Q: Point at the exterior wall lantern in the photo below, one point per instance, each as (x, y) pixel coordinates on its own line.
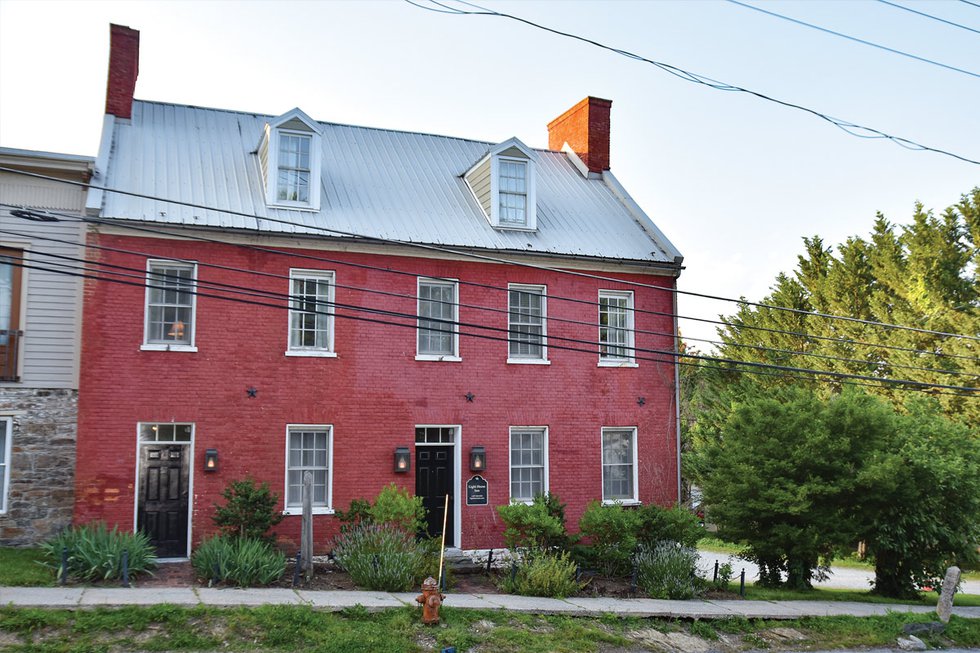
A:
(478, 459)
(211, 460)
(403, 460)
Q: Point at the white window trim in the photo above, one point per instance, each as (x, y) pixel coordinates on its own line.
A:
(610, 361)
(546, 485)
(532, 214)
(272, 175)
(190, 481)
(446, 358)
(165, 346)
(543, 291)
(317, 510)
(7, 427)
(635, 501)
(312, 352)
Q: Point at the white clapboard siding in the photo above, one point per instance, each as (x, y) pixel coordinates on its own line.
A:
(51, 313)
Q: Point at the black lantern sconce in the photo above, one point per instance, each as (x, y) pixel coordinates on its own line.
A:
(478, 459)
(211, 460)
(403, 460)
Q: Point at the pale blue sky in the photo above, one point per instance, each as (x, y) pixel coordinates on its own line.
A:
(735, 182)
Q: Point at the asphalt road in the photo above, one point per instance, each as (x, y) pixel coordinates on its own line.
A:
(841, 577)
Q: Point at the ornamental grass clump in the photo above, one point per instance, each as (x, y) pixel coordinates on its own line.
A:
(241, 561)
(95, 553)
(667, 571)
(543, 574)
(381, 557)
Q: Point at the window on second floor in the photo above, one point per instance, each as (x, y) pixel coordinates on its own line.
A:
(170, 305)
(11, 281)
(311, 313)
(437, 309)
(526, 326)
(616, 328)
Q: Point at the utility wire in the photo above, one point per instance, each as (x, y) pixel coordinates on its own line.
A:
(877, 364)
(673, 357)
(924, 14)
(494, 259)
(969, 2)
(853, 38)
(851, 128)
(729, 324)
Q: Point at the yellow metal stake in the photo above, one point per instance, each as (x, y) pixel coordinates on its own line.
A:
(442, 545)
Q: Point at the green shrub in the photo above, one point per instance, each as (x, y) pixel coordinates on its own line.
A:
(395, 506)
(658, 524)
(358, 513)
(611, 529)
(382, 557)
(535, 527)
(249, 510)
(667, 571)
(543, 574)
(96, 553)
(243, 561)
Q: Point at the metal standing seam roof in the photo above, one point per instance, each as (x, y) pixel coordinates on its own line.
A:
(375, 182)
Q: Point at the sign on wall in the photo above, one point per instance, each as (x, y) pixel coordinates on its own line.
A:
(476, 491)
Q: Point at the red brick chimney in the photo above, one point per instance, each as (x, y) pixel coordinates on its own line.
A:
(124, 66)
(585, 127)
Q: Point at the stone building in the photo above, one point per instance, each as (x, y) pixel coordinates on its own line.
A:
(40, 317)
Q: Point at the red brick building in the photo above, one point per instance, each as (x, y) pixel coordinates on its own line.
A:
(279, 295)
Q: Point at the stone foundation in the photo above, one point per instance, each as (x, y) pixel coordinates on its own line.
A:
(42, 463)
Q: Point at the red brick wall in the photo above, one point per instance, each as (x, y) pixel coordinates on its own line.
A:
(374, 393)
(124, 64)
(585, 127)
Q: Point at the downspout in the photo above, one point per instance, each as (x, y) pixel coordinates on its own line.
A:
(677, 392)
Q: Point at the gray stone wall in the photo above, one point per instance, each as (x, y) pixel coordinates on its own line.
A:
(42, 463)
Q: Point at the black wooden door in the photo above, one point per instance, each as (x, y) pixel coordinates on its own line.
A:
(164, 486)
(433, 481)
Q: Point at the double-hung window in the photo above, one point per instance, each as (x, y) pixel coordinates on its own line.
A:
(526, 327)
(10, 301)
(438, 310)
(309, 449)
(6, 425)
(616, 328)
(528, 462)
(294, 168)
(512, 193)
(310, 313)
(619, 465)
(170, 305)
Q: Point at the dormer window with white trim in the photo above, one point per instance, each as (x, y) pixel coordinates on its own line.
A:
(502, 182)
(289, 154)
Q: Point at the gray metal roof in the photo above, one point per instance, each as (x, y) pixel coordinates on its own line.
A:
(375, 182)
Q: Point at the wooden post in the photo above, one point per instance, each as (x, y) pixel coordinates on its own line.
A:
(442, 545)
(306, 538)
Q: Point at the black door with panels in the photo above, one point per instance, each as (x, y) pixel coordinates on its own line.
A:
(433, 481)
(163, 497)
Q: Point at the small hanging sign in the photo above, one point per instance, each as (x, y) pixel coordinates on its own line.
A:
(476, 491)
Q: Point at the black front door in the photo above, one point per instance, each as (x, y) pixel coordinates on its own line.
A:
(164, 489)
(433, 481)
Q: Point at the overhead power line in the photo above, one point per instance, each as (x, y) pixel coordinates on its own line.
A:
(671, 357)
(854, 38)
(494, 259)
(575, 300)
(849, 127)
(925, 15)
(141, 273)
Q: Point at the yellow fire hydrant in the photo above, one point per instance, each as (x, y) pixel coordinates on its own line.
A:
(430, 599)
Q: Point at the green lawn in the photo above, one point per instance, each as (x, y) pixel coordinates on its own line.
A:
(301, 628)
(832, 594)
(22, 568)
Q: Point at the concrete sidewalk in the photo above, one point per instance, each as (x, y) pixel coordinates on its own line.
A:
(90, 597)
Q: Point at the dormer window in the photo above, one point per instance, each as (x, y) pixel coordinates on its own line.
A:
(503, 184)
(294, 168)
(513, 192)
(289, 155)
